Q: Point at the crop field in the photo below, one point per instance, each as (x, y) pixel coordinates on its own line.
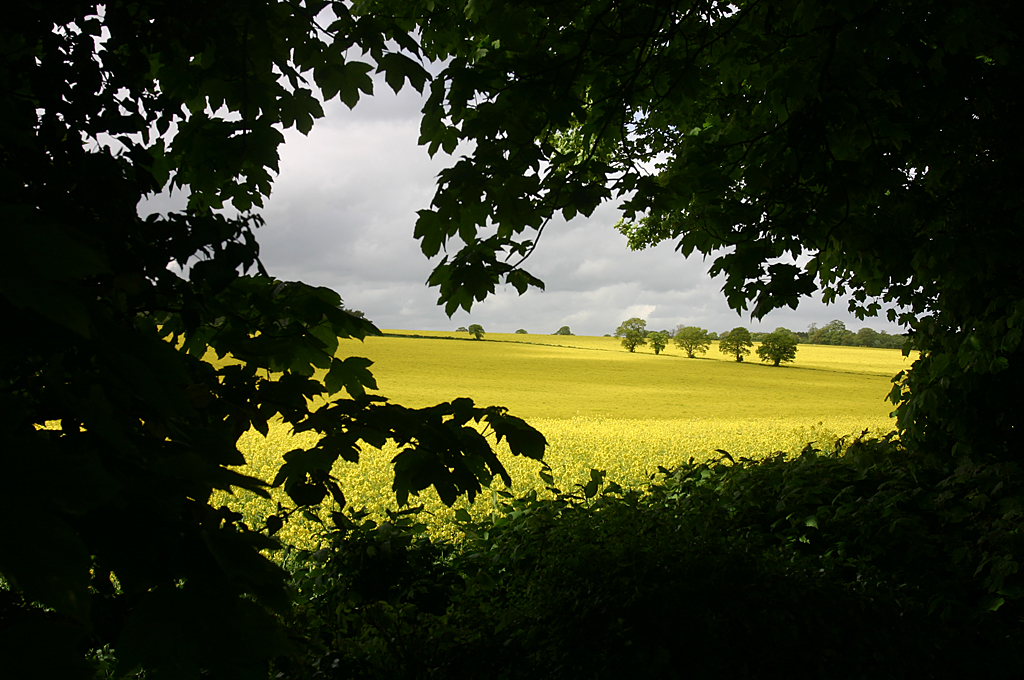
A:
(601, 407)
(538, 376)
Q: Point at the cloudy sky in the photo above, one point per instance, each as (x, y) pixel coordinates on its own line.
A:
(342, 215)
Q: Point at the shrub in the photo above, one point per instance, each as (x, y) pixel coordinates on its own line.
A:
(868, 563)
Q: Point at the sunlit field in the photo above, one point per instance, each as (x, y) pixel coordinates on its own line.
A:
(602, 407)
(590, 376)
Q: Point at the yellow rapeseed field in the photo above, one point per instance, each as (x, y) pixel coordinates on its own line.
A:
(595, 377)
(600, 407)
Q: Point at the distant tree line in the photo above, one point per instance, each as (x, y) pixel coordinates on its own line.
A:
(832, 333)
(836, 333)
(776, 347)
(694, 340)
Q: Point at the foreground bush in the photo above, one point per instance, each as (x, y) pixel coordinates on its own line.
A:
(869, 563)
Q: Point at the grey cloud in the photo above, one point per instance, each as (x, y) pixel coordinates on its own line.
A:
(343, 210)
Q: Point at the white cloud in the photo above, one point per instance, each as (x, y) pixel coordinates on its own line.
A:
(639, 311)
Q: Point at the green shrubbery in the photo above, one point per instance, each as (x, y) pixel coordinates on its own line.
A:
(872, 562)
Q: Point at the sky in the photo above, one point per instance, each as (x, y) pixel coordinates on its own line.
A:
(342, 213)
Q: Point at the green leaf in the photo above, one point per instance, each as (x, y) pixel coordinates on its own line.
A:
(398, 68)
(354, 78)
(523, 440)
(352, 374)
(994, 604)
(430, 232)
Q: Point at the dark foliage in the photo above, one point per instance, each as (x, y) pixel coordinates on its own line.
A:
(868, 564)
(110, 542)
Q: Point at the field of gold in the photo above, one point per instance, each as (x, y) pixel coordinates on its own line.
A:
(595, 377)
(629, 450)
(601, 407)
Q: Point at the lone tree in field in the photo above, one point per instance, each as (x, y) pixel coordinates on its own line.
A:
(633, 333)
(778, 346)
(737, 343)
(692, 340)
(564, 330)
(658, 340)
(521, 331)
(476, 330)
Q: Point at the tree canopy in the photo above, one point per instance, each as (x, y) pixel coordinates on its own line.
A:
(832, 333)
(737, 343)
(692, 339)
(476, 330)
(877, 139)
(116, 426)
(633, 333)
(658, 341)
(778, 346)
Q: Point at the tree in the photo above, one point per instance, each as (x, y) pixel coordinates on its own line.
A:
(737, 343)
(476, 330)
(868, 337)
(879, 138)
(114, 427)
(633, 333)
(813, 334)
(461, 329)
(521, 331)
(891, 341)
(778, 346)
(658, 340)
(692, 340)
(564, 330)
(832, 333)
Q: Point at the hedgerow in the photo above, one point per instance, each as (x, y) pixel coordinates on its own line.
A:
(873, 562)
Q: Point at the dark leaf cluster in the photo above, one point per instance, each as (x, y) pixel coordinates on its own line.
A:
(860, 561)
(137, 350)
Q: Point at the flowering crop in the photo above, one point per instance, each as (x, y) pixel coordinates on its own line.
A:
(599, 407)
(629, 450)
